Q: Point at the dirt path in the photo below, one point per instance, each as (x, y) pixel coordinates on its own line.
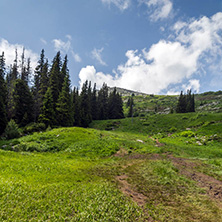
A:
(212, 186)
(126, 188)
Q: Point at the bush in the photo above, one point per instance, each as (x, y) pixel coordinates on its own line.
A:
(173, 129)
(11, 131)
(187, 134)
(34, 127)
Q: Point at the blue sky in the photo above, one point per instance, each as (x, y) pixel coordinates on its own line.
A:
(152, 46)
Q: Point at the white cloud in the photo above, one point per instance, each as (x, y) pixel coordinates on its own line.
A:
(65, 47)
(76, 56)
(167, 63)
(194, 85)
(96, 54)
(121, 4)
(159, 9)
(43, 41)
(62, 46)
(9, 52)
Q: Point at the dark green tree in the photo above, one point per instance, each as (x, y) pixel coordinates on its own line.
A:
(76, 107)
(48, 115)
(115, 105)
(64, 106)
(103, 102)
(131, 104)
(3, 95)
(85, 110)
(94, 104)
(55, 78)
(23, 103)
(36, 88)
(181, 104)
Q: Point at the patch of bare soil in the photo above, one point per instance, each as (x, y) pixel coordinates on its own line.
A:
(158, 144)
(121, 152)
(139, 198)
(212, 186)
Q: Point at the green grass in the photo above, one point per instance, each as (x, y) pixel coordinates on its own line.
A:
(58, 187)
(68, 174)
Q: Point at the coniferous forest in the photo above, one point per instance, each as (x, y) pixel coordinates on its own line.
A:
(47, 96)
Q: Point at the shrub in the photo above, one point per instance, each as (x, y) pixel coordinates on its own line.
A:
(173, 129)
(12, 131)
(34, 127)
(187, 134)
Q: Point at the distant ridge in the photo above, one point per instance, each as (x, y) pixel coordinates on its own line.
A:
(126, 92)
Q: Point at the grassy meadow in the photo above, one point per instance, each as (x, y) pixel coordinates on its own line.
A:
(153, 167)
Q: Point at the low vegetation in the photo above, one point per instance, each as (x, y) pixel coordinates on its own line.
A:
(150, 167)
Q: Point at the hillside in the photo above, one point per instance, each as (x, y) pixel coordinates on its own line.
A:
(153, 167)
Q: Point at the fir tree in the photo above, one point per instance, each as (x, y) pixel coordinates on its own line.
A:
(103, 102)
(94, 104)
(131, 104)
(76, 107)
(36, 89)
(64, 111)
(85, 112)
(115, 105)
(54, 78)
(3, 95)
(47, 115)
(23, 103)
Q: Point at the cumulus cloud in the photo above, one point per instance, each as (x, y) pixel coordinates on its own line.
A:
(121, 4)
(97, 55)
(9, 52)
(194, 85)
(158, 9)
(65, 47)
(167, 63)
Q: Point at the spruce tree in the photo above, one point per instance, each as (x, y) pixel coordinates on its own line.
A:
(76, 107)
(55, 78)
(47, 115)
(64, 107)
(182, 104)
(103, 102)
(23, 103)
(85, 112)
(94, 104)
(3, 95)
(115, 105)
(36, 88)
(131, 104)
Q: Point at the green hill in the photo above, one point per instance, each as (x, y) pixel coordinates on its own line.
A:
(152, 167)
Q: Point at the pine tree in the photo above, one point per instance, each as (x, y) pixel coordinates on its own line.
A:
(44, 82)
(131, 104)
(55, 78)
(47, 115)
(76, 107)
(36, 89)
(103, 102)
(115, 105)
(3, 95)
(182, 104)
(94, 104)
(85, 112)
(23, 103)
(64, 108)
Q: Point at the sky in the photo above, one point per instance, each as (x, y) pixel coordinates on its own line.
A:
(150, 46)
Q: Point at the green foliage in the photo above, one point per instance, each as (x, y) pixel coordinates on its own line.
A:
(187, 133)
(23, 103)
(34, 127)
(12, 130)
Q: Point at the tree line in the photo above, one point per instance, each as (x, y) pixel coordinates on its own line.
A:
(48, 98)
(186, 103)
